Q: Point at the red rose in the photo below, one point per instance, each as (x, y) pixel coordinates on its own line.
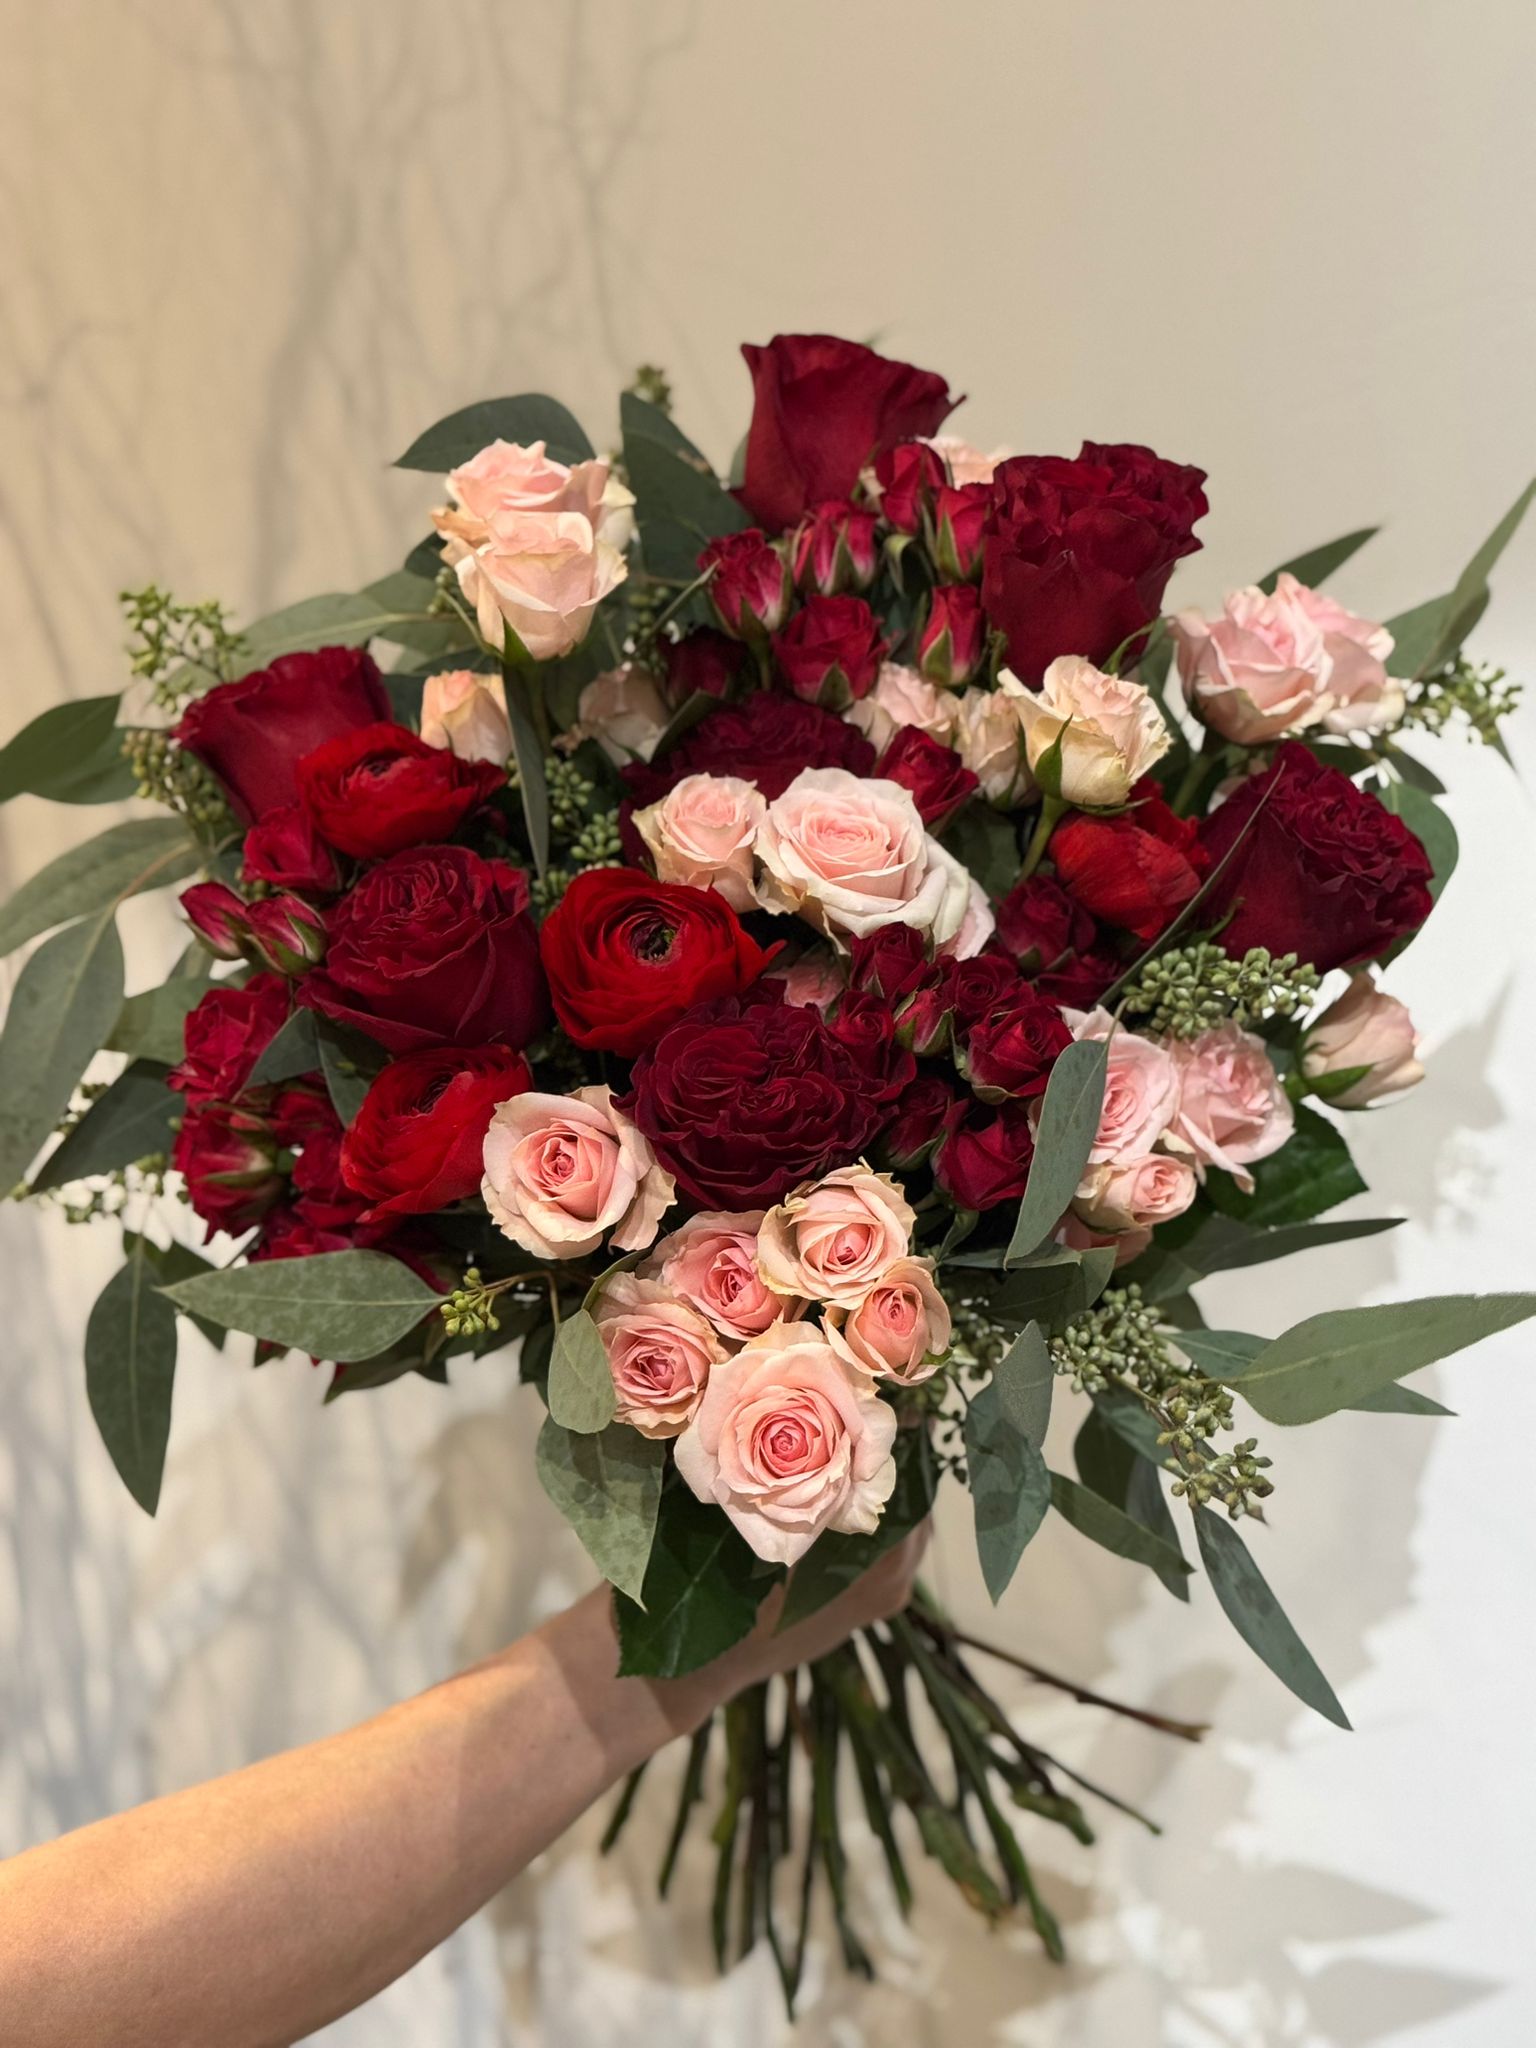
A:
(865, 1024)
(926, 1108)
(1078, 554)
(1039, 922)
(908, 476)
(984, 1160)
(285, 850)
(379, 789)
(835, 549)
(702, 661)
(415, 1144)
(253, 733)
(974, 988)
(745, 1098)
(822, 409)
(1135, 871)
(767, 739)
(219, 917)
(751, 588)
(1010, 1051)
(953, 642)
(831, 651)
(433, 947)
(229, 1163)
(226, 1035)
(286, 933)
(626, 955)
(1327, 872)
(956, 526)
(892, 962)
(938, 779)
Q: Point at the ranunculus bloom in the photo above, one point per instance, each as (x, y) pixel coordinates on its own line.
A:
(285, 850)
(379, 789)
(788, 1441)
(1011, 1050)
(953, 639)
(544, 574)
(851, 854)
(226, 1035)
(623, 711)
(1261, 669)
(832, 1239)
(1366, 1028)
(1135, 871)
(822, 409)
(467, 713)
(904, 481)
(660, 1352)
(562, 1172)
(1327, 871)
(901, 697)
(513, 476)
(751, 586)
(1135, 1194)
(701, 834)
(416, 1143)
(1365, 697)
(1233, 1108)
(766, 740)
(983, 1159)
(831, 650)
(253, 733)
(711, 1262)
(745, 1098)
(1109, 727)
(1141, 1090)
(625, 956)
(835, 548)
(228, 1161)
(433, 947)
(899, 1331)
(937, 778)
(989, 738)
(1078, 554)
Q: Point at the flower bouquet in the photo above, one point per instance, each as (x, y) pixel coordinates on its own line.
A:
(783, 951)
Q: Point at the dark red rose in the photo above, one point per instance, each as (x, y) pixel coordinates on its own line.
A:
(831, 650)
(434, 947)
(1010, 1051)
(415, 1144)
(975, 987)
(938, 779)
(228, 1160)
(745, 1098)
(767, 739)
(1078, 981)
(703, 661)
(1135, 871)
(301, 1109)
(891, 962)
(1327, 872)
(984, 1160)
(953, 642)
(626, 955)
(321, 1194)
(219, 917)
(822, 409)
(864, 1024)
(379, 789)
(835, 549)
(285, 1234)
(926, 1108)
(1078, 554)
(226, 1035)
(285, 850)
(956, 527)
(908, 476)
(253, 733)
(751, 587)
(1039, 923)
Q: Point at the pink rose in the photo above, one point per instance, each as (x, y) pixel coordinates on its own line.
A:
(813, 982)
(849, 853)
(1364, 1028)
(660, 1351)
(1135, 1194)
(544, 574)
(976, 926)
(1232, 1109)
(702, 832)
(1110, 729)
(711, 1263)
(833, 1239)
(902, 697)
(1365, 697)
(622, 710)
(790, 1442)
(1141, 1089)
(510, 477)
(1263, 668)
(1075, 1234)
(467, 713)
(899, 1331)
(562, 1171)
(966, 465)
(989, 738)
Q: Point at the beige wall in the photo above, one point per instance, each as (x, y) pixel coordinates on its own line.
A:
(247, 251)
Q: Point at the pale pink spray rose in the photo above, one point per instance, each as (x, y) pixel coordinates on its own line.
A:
(563, 1171)
(1141, 1089)
(1365, 698)
(832, 1239)
(901, 696)
(966, 464)
(976, 926)
(544, 574)
(1261, 669)
(899, 1331)
(660, 1351)
(512, 476)
(467, 714)
(789, 1441)
(1135, 1194)
(1078, 1236)
(622, 710)
(1233, 1109)
(1109, 728)
(849, 853)
(701, 833)
(989, 738)
(711, 1262)
(813, 982)
(1366, 1028)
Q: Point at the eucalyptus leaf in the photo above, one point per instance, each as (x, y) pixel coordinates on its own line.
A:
(1069, 1123)
(1133, 1422)
(65, 1001)
(1257, 1615)
(404, 602)
(1435, 833)
(1010, 1486)
(531, 417)
(1111, 1528)
(130, 1372)
(135, 1119)
(342, 1306)
(695, 707)
(1257, 1248)
(1432, 634)
(293, 1049)
(608, 1487)
(152, 1025)
(529, 756)
(702, 1589)
(71, 753)
(680, 504)
(581, 1393)
(1218, 1352)
(1110, 1467)
(1049, 1290)
(1319, 563)
(1395, 1400)
(144, 853)
(335, 618)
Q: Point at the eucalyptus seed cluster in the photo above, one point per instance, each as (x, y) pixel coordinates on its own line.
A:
(167, 639)
(1190, 989)
(469, 1311)
(166, 773)
(1471, 694)
(1235, 1478)
(977, 1344)
(570, 796)
(651, 384)
(1118, 1339)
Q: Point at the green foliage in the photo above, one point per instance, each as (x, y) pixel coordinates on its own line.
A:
(608, 1487)
(1190, 989)
(152, 1025)
(1069, 1122)
(581, 1396)
(71, 753)
(1318, 564)
(1258, 1617)
(65, 1001)
(1004, 1430)
(701, 1592)
(1311, 1172)
(1430, 636)
(680, 504)
(349, 1061)
(531, 417)
(135, 1119)
(1128, 1479)
(342, 1306)
(130, 1371)
(144, 853)
(1111, 1528)
(293, 1049)
(528, 754)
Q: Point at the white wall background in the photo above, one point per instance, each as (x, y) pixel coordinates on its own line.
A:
(248, 252)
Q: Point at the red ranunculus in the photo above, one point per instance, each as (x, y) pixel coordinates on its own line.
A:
(745, 1098)
(1327, 871)
(253, 733)
(751, 587)
(822, 409)
(831, 650)
(229, 1162)
(937, 778)
(379, 789)
(953, 640)
(1011, 1050)
(226, 1035)
(415, 1144)
(1136, 870)
(702, 661)
(433, 947)
(1078, 554)
(908, 476)
(626, 955)
(984, 1160)
(835, 549)
(767, 739)
(285, 850)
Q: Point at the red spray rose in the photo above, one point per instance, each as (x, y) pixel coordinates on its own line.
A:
(822, 409)
(984, 1160)
(835, 549)
(1327, 872)
(831, 651)
(1136, 870)
(416, 1143)
(953, 640)
(956, 525)
(766, 740)
(974, 988)
(253, 733)
(229, 1163)
(285, 850)
(1010, 1051)
(226, 1035)
(751, 587)
(379, 789)
(1039, 922)
(433, 947)
(626, 955)
(1078, 554)
(891, 961)
(702, 661)
(938, 779)
(219, 917)
(908, 476)
(864, 1024)
(925, 1110)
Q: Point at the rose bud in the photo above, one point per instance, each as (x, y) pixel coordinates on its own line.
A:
(1040, 924)
(287, 933)
(286, 851)
(835, 549)
(891, 961)
(703, 662)
(954, 528)
(467, 714)
(865, 1025)
(924, 1021)
(1362, 1049)
(1101, 733)
(751, 585)
(924, 1111)
(938, 779)
(984, 1160)
(906, 479)
(219, 917)
(1011, 1051)
(953, 640)
(830, 652)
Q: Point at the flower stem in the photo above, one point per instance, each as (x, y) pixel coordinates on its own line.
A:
(1051, 809)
